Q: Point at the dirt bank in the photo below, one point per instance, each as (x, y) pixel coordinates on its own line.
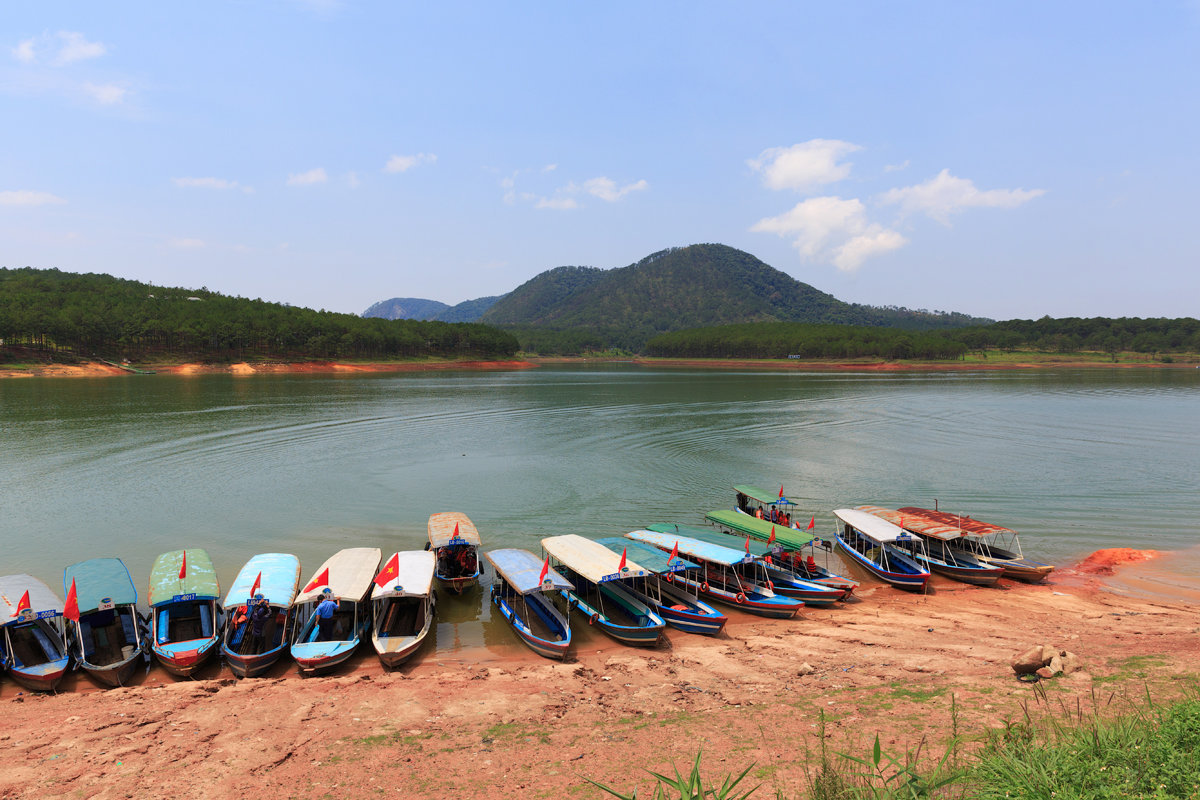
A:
(499, 721)
(93, 369)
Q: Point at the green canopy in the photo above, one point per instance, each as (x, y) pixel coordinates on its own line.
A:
(761, 495)
(199, 581)
(759, 528)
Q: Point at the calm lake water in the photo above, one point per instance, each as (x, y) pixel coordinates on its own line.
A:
(308, 464)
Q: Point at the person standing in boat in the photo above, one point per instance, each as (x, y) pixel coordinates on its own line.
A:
(325, 616)
(260, 614)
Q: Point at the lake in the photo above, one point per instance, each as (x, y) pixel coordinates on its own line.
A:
(1074, 460)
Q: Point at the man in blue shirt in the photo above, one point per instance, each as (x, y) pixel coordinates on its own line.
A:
(325, 611)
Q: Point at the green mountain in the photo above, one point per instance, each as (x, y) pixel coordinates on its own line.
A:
(406, 308)
(685, 287)
(468, 310)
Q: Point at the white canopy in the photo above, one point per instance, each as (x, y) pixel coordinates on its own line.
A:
(872, 526)
(452, 527)
(413, 576)
(351, 572)
(41, 599)
(592, 560)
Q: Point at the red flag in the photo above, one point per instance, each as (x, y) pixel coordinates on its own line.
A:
(390, 571)
(23, 604)
(320, 580)
(767, 559)
(545, 571)
(183, 567)
(71, 607)
(812, 523)
(772, 539)
(257, 584)
(621, 566)
(674, 553)
(455, 535)
(747, 544)
(780, 492)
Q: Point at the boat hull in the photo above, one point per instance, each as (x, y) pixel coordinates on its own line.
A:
(460, 584)
(636, 635)
(183, 662)
(901, 580)
(396, 657)
(547, 648)
(975, 576)
(244, 666)
(41, 677)
(811, 592)
(754, 603)
(113, 675)
(322, 660)
(695, 616)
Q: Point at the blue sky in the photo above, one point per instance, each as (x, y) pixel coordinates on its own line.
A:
(1005, 160)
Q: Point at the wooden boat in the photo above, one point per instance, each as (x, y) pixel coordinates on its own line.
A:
(525, 601)
(780, 578)
(992, 544)
(404, 605)
(347, 577)
(34, 634)
(455, 541)
(797, 548)
(185, 612)
(870, 541)
(938, 554)
(728, 576)
(109, 639)
(273, 577)
(600, 591)
(674, 602)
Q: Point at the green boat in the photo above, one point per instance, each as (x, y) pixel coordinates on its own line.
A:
(186, 614)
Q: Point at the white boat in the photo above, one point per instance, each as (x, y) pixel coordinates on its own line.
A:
(348, 575)
(34, 636)
(404, 605)
(455, 541)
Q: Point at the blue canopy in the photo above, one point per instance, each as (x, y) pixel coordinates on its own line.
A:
(647, 555)
(100, 582)
(520, 570)
(758, 548)
(692, 548)
(280, 578)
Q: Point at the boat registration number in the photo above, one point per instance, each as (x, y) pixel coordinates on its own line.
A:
(180, 598)
(456, 540)
(47, 614)
(106, 604)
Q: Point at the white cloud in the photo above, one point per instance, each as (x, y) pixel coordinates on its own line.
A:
(559, 202)
(106, 95)
(607, 190)
(897, 167)
(186, 244)
(23, 52)
(832, 229)
(313, 176)
(204, 183)
(352, 180)
(550, 168)
(943, 195)
(804, 166)
(76, 48)
(27, 198)
(405, 163)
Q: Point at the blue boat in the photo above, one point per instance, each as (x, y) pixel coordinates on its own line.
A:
(601, 592)
(524, 601)
(871, 543)
(346, 577)
(33, 647)
(728, 576)
(110, 638)
(273, 577)
(678, 606)
(186, 615)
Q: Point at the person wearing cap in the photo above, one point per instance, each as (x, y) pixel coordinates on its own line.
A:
(325, 611)
(260, 613)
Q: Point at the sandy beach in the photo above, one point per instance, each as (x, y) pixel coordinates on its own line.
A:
(497, 721)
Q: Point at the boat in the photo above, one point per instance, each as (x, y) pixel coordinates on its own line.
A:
(870, 542)
(675, 603)
(455, 541)
(34, 647)
(728, 576)
(403, 604)
(185, 611)
(782, 579)
(346, 577)
(521, 593)
(599, 577)
(763, 505)
(273, 577)
(109, 638)
(992, 544)
(939, 554)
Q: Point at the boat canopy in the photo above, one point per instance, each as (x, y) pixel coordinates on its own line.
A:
(972, 527)
(199, 580)
(351, 573)
(763, 496)
(100, 581)
(760, 528)
(875, 528)
(441, 529)
(42, 601)
(414, 575)
(693, 548)
(592, 560)
(520, 570)
(280, 579)
(648, 556)
(916, 523)
(757, 549)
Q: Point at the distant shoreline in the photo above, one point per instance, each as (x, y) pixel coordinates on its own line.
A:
(94, 369)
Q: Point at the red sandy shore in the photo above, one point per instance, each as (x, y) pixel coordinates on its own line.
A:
(98, 370)
(498, 721)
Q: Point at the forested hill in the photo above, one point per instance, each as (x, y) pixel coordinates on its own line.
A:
(684, 287)
(406, 308)
(101, 316)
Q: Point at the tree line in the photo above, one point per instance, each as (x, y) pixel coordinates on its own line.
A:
(102, 316)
